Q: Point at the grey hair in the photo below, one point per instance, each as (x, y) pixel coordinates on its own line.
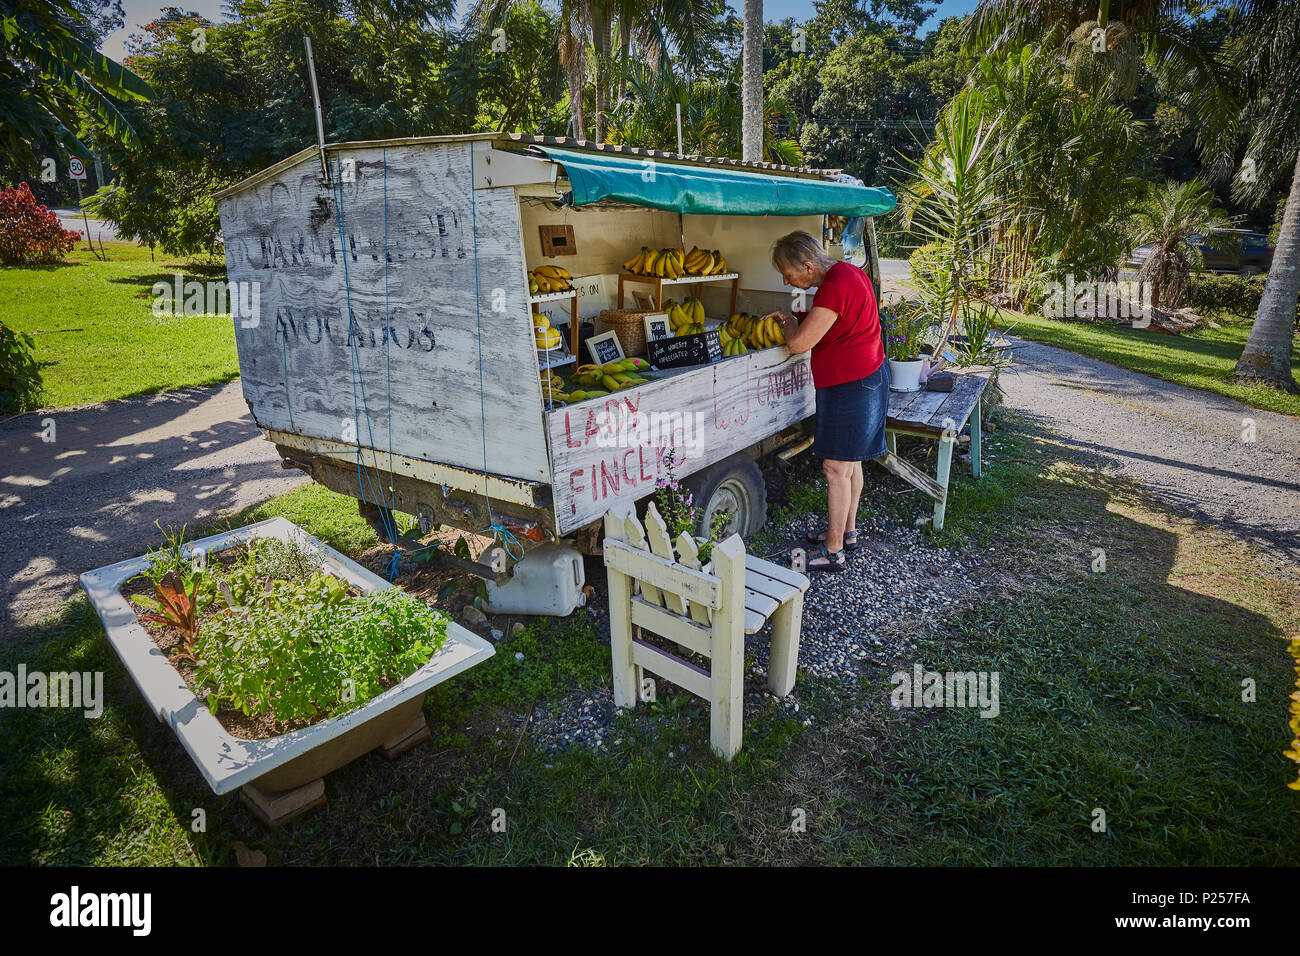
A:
(797, 248)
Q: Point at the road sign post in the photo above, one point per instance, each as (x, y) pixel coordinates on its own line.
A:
(77, 170)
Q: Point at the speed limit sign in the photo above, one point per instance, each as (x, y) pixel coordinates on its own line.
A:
(76, 169)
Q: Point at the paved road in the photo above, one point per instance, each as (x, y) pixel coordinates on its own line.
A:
(1188, 448)
(91, 497)
(99, 230)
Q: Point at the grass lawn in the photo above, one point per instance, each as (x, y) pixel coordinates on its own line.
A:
(1119, 690)
(1203, 359)
(96, 336)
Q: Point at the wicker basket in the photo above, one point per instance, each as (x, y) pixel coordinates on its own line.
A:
(630, 326)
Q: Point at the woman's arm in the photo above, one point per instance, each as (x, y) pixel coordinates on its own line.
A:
(802, 336)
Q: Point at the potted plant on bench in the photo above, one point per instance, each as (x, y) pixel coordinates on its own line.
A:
(902, 325)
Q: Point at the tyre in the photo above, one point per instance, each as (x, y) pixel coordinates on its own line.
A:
(734, 485)
(1247, 272)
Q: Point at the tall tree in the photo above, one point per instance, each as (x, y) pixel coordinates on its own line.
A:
(751, 84)
(51, 78)
(1103, 39)
(1271, 66)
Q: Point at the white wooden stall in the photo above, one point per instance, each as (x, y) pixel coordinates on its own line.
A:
(392, 354)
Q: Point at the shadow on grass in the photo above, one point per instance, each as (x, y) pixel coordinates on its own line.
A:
(1119, 691)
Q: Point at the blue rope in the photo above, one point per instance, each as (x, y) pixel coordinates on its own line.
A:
(359, 400)
(499, 532)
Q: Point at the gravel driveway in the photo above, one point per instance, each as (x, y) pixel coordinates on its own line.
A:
(1190, 449)
(91, 497)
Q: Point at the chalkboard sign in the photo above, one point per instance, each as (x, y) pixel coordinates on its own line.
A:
(657, 326)
(701, 349)
(605, 348)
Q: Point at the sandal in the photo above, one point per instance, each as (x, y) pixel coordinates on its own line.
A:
(833, 561)
(850, 539)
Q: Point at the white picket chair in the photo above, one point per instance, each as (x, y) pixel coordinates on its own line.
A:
(652, 588)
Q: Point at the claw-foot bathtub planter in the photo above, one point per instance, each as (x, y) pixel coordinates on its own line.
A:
(281, 776)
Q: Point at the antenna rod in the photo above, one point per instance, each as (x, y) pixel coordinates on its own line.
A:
(320, 124)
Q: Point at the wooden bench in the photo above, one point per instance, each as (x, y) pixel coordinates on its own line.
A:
(666, 592)
(939, 416)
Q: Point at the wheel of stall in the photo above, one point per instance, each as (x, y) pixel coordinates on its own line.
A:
(734, 485)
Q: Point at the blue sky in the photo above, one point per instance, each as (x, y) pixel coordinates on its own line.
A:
(139, 12)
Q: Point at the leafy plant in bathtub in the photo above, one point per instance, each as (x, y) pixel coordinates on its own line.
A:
(175, 607)
(301, 651)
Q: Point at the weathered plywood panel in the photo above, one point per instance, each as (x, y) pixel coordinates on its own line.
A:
(414, 244)
(612, 451)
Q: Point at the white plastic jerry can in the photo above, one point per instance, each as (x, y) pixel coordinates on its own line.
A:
(548, 580)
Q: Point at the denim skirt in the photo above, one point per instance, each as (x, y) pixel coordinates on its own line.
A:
(851, 418)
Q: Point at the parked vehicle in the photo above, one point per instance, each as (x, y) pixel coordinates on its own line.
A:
(1234, 250)
(402, 355)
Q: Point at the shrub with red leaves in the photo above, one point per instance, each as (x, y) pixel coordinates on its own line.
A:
(30, 233)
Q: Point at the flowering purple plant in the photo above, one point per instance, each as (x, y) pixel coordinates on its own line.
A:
(902, 325)
(677, 508)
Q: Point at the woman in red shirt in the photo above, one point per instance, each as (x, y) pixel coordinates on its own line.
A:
(842, 330)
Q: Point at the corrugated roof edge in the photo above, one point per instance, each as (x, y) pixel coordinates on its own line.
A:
(619, 149)
(528, 141)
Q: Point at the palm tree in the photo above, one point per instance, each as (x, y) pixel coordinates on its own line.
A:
(651, 27)
(951, 201)
(1163, 29)
(50, 77)
(1166, 219)
(751, 84)
(1269, 65)
(574, 28)
(711, 115)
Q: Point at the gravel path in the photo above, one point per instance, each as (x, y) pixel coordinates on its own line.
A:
(850, 619)
(91, 497)
(1186, 447)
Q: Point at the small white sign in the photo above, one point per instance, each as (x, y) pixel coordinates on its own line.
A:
(605, 348)
(657, 326)
(592, 298)
(76, 169)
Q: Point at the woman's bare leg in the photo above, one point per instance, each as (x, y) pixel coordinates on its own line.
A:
(855, 495)
(841, 500)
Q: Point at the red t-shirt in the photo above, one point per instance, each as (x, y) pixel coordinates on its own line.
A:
(851, 348)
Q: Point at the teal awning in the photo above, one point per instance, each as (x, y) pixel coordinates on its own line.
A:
(711, 190)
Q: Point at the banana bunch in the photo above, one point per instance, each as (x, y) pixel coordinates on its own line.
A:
(546, 279)
(703, 262)
(552, 384)
(756, 333)
(545, 336)
(665, 263)
(731, 344)
(686, 317)
(612, 376)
